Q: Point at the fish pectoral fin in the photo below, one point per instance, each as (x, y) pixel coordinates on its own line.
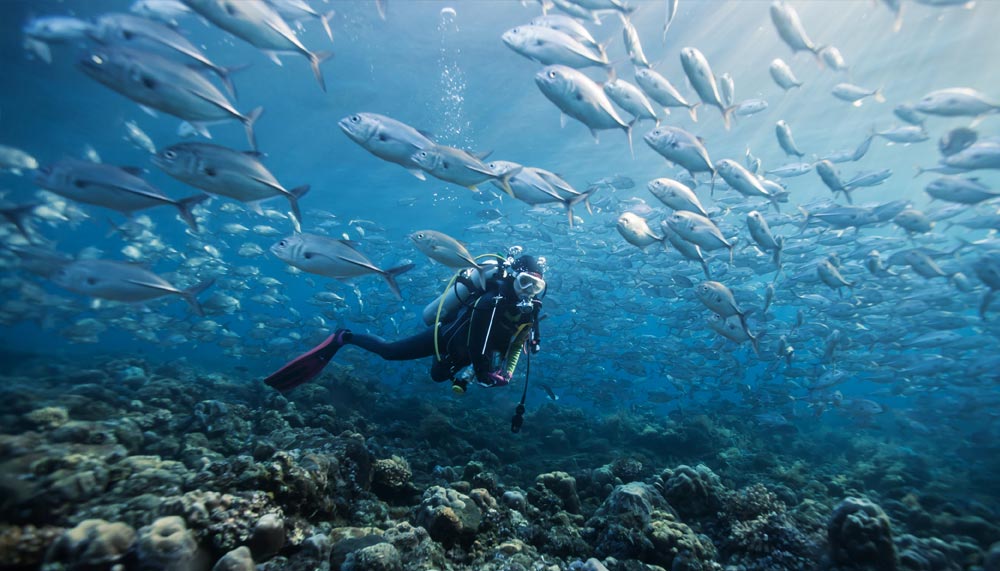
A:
(418, 173)
(365, 265)
(276, 187)
(224, 106)
(155, 286)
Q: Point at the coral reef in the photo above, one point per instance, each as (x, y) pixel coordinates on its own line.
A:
(164, 468)
(860, 536)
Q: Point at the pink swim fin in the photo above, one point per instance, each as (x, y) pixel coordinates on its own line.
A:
(306, 367)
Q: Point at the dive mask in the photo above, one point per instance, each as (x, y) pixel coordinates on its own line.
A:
(529, 285)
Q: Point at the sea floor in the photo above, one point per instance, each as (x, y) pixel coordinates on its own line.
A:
(126, 464)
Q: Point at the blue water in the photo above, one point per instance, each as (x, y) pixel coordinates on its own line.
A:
(618, 327)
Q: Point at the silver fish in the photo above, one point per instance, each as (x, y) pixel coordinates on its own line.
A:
(960, 190)
(750, 107)
(636, 231)
(549, 46)
(226, 172)
(786, 21)
(957, 102)
(581, 98)
(567, 25)
(783, 75)
(699, 230)
(387, 139)
(741, 180)
(260, 25)
(157, 82)
(633, 47)
(660, 90)
(676, 195)
(784, 134)
(444, 249)
(761, 234)
(631, 99)
(689, 250)
(337, 259)
(117, 188)
(141, 33)
(680, 147)
(703, 81)
(855, 94)
(120, 281)
(458, 167)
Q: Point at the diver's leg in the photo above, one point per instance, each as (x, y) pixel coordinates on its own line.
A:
(307, 366)
(413, 347)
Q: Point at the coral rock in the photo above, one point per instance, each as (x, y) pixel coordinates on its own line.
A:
(692, 491)
(860, 536)
(676, 546)
(268, 536)
(448, 516)
(563, 486)
(93, 542)
(168, 545)
(48, 417)
(378, 557)
(238, 559)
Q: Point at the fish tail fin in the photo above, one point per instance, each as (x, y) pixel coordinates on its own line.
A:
(693, 111)
(325, 20)
(185, 205)
(17, 215)
(293, 199)
(570, 203)
(380, 6)
(780, 241)
(805, 223)
(754, 342)
(987, 298)
(775, 204)
(225, 76)
(505, 181)
(628, 135)
(732, 252)
(704, 267)
(727, 116)
(316, 58)
(248, 123)
(390, 278)
(191, 295)
(878, 96)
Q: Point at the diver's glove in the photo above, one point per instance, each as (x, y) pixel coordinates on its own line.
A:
(497, 378)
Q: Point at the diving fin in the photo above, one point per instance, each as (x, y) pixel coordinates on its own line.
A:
(308, 366)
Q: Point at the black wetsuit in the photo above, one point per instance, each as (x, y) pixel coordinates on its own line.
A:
(461, 340)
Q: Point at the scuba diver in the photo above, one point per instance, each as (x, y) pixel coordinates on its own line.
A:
(487, 317)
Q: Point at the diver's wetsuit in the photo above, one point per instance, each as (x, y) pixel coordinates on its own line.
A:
(460, 341)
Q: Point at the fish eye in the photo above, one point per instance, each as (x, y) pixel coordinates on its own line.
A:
(169, 155)
(283, 243)
(420, 235)
(552, 74)
(96, 58)
(355, 118)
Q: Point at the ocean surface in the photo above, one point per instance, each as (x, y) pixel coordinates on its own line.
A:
(859, 429)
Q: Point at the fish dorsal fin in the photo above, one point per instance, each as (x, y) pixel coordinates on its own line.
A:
(136, 171)
(426, 134)
(255, 154)
(351, 243)
(482, 155)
